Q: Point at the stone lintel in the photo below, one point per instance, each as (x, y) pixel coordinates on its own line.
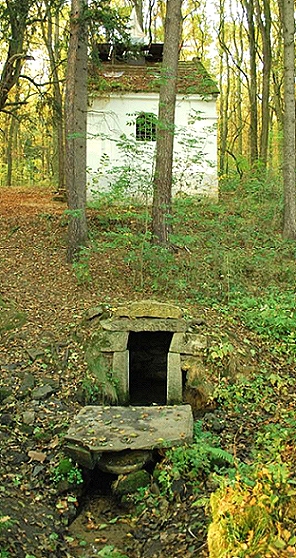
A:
(144, 324)
(149, 309)
(108, 429)
(188, 343)
(120, 374)
(174, 379)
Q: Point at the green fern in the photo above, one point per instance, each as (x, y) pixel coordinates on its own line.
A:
(219, 454)
(192, 463)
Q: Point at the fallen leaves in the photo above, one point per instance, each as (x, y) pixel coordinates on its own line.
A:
(37, 456)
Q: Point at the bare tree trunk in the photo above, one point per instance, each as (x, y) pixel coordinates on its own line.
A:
(51, 43)
(264, 22)
(224, 92)
(11, 139)
(162, 183)
(252, 85)
(75, 128)
(289, 229)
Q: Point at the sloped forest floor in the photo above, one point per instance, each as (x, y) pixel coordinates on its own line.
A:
(42, 360)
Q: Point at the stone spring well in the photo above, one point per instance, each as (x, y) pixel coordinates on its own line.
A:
(142, 353)
(144, 348)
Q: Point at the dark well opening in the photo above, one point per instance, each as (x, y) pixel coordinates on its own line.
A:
(148, 358)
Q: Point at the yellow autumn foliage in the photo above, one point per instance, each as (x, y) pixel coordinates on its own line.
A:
(253, 520)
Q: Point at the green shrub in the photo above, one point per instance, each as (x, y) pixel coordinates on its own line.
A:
(66, 470)
(192, 463)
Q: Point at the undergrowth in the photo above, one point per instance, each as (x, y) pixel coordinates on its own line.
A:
(230, 256)
(222, 252)
(192, 463)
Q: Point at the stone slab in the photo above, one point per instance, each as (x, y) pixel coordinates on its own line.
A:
(99, 429)
(148, 309)
(143, 324)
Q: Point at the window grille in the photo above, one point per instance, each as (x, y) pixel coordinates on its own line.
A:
(146, 126)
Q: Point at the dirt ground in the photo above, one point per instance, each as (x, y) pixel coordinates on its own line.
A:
(42, 305)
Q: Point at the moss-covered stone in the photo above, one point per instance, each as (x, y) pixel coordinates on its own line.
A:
(10, 317)
(129, 484)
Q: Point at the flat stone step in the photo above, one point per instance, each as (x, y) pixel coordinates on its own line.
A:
(98, 429)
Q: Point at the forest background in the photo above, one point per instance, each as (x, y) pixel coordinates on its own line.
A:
(240, 43)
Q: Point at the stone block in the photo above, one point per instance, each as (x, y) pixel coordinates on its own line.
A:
(177, 342)
(188, 343)
(120, 375)
(130, 483)
(149, 309)
(82, 455)
(111, 341)
(174, 379)
(144, 324)
(123, 462)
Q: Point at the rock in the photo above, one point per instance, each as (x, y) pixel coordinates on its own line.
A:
(4, 393)
(35, 353)
(100, 311)
(28, 417)
(53, 382)
(6, 419)
(19, 457)
(81, 455)
(129, 484)
(111, 341)
(218, 426)
(37, 470)
(197, 397)
(27, 384)
(123, 462)
(42, 392)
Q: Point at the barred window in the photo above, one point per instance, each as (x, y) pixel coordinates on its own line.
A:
(146, 126)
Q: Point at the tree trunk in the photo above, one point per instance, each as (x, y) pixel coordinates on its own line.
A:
(252, 85)
(51, 39)
(264, 23)
(18, 15)
(224, 91)
(162, 183)
(75, 128)
(289, 229)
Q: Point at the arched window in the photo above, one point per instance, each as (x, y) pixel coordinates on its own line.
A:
(146, 126)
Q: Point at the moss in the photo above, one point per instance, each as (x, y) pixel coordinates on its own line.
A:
(10, 317)
(129, 484)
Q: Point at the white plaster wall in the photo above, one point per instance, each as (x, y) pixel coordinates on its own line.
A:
(111, 117)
